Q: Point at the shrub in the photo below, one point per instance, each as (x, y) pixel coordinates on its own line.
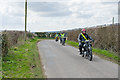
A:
(11, 38)
(105, 37)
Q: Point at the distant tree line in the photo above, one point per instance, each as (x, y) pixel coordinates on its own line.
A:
(45, 34)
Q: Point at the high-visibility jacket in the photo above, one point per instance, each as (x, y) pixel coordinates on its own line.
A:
(84, 38)
(62, 35)
(56, 35)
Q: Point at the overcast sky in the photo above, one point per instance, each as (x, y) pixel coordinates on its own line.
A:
(55, 15)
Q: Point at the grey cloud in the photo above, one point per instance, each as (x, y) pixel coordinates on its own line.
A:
(119, 12)
(109, 3)
(44, 6)
(113, 9)
(85, 16)
(84, 10)
(83, 6)
(41, 6)
(54, 14)
(49, 9)
(18, 14)
(20, 4)
(13, 21)
(17, 9)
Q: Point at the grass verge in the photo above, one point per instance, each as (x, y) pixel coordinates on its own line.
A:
(23, 61)
(101, 53)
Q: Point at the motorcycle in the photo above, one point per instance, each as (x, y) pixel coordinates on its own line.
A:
(56, 39)
(63, 41)
(60, 40)
(87, 50)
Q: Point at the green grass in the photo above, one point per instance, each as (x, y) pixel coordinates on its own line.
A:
(23, 61)
(106, 53)
(102, 53)
(72, 43)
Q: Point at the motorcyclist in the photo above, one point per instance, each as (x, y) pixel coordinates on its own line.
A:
(63, 36)
(83, 37)
(60, 37)
(56, 36)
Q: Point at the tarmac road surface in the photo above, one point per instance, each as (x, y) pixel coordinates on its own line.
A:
(65, 62)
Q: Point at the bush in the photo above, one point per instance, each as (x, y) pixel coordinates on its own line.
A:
(105, 37)
(11, 38)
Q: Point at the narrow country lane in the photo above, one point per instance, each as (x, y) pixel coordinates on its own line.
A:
(65, 62)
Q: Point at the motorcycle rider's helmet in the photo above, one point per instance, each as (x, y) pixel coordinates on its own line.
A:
(83, 31)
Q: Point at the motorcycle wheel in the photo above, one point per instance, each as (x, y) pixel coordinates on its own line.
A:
(90, 56)
(82, 54)
(63, 44)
